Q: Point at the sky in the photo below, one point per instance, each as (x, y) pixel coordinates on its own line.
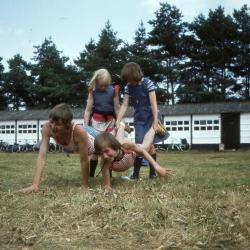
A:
(72, 23)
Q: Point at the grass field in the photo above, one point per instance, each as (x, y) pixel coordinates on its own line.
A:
(206, 205)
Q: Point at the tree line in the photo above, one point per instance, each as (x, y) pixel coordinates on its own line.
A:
(206, 60)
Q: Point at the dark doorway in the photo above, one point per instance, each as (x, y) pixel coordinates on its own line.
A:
(230, 130)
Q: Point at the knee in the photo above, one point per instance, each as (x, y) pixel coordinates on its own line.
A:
(152, 149)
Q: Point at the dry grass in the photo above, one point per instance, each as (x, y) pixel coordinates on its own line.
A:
(205, 206)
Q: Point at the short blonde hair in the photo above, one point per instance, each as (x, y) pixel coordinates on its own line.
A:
(100, 74)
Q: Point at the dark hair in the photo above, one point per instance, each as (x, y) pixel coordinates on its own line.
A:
(131, 72)
(61, 112)
(104, 140)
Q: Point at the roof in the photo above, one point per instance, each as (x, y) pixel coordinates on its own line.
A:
(178, 109)
(205, 108)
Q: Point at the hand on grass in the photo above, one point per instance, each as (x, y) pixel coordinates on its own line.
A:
(108, 189)
(28, 190)
(85, 189)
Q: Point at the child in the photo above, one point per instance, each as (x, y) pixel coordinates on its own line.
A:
(71, 136)
(119, 155)
(102, 107)
(142, 92)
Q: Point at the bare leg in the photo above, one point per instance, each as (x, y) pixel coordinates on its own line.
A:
(148, 139)
(120, 133)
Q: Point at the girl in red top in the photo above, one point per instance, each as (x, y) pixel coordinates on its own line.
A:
(102, 107)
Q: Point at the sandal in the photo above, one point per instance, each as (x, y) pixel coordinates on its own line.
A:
(126, 127)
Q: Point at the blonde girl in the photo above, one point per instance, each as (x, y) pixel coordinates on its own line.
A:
(102, 107)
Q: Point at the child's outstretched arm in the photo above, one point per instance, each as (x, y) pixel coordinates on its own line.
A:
(162, 172)
(116, 100)
(153, 104)
(80, 136)
(105, 166)
(40, 163)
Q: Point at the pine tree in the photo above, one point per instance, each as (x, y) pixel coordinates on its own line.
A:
(19, 84)
(3, 98)
(166, 37)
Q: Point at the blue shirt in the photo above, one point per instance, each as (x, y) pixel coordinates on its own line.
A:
(140, 97)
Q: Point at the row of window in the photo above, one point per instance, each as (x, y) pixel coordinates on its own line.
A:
(6, 126)
(7, 131)
(25, 126)
(198, 125)
(25, 131)
(196, 122)
(175, 123)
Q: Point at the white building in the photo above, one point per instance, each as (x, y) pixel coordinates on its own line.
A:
(204, 125)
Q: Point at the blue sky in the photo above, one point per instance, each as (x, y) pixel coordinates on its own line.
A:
(71, 23)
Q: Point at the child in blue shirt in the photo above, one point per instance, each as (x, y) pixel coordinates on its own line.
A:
(142, 92)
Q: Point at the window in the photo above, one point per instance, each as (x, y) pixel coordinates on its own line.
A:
(181, 125)
(7, 129)
(27, 128)
(206, 125)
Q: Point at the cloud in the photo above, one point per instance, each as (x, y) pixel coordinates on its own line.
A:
(151, 5)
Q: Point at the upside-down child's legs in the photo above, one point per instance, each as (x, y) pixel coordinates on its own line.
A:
(147, 144)
(148, 139)
(121, 133)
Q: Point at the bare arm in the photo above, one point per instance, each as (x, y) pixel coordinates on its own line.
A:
(163, 172)
(40, 163)
(88, 110)
(80, 136)
(106, 175)
(153, 104)
(122, 110)
(116, 105)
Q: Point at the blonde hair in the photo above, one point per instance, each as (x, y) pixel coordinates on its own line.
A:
(100, 74)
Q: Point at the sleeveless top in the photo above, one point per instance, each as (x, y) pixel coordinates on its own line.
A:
(104, 100)
(72, 147)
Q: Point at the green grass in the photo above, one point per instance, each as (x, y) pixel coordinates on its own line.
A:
(206, 205)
